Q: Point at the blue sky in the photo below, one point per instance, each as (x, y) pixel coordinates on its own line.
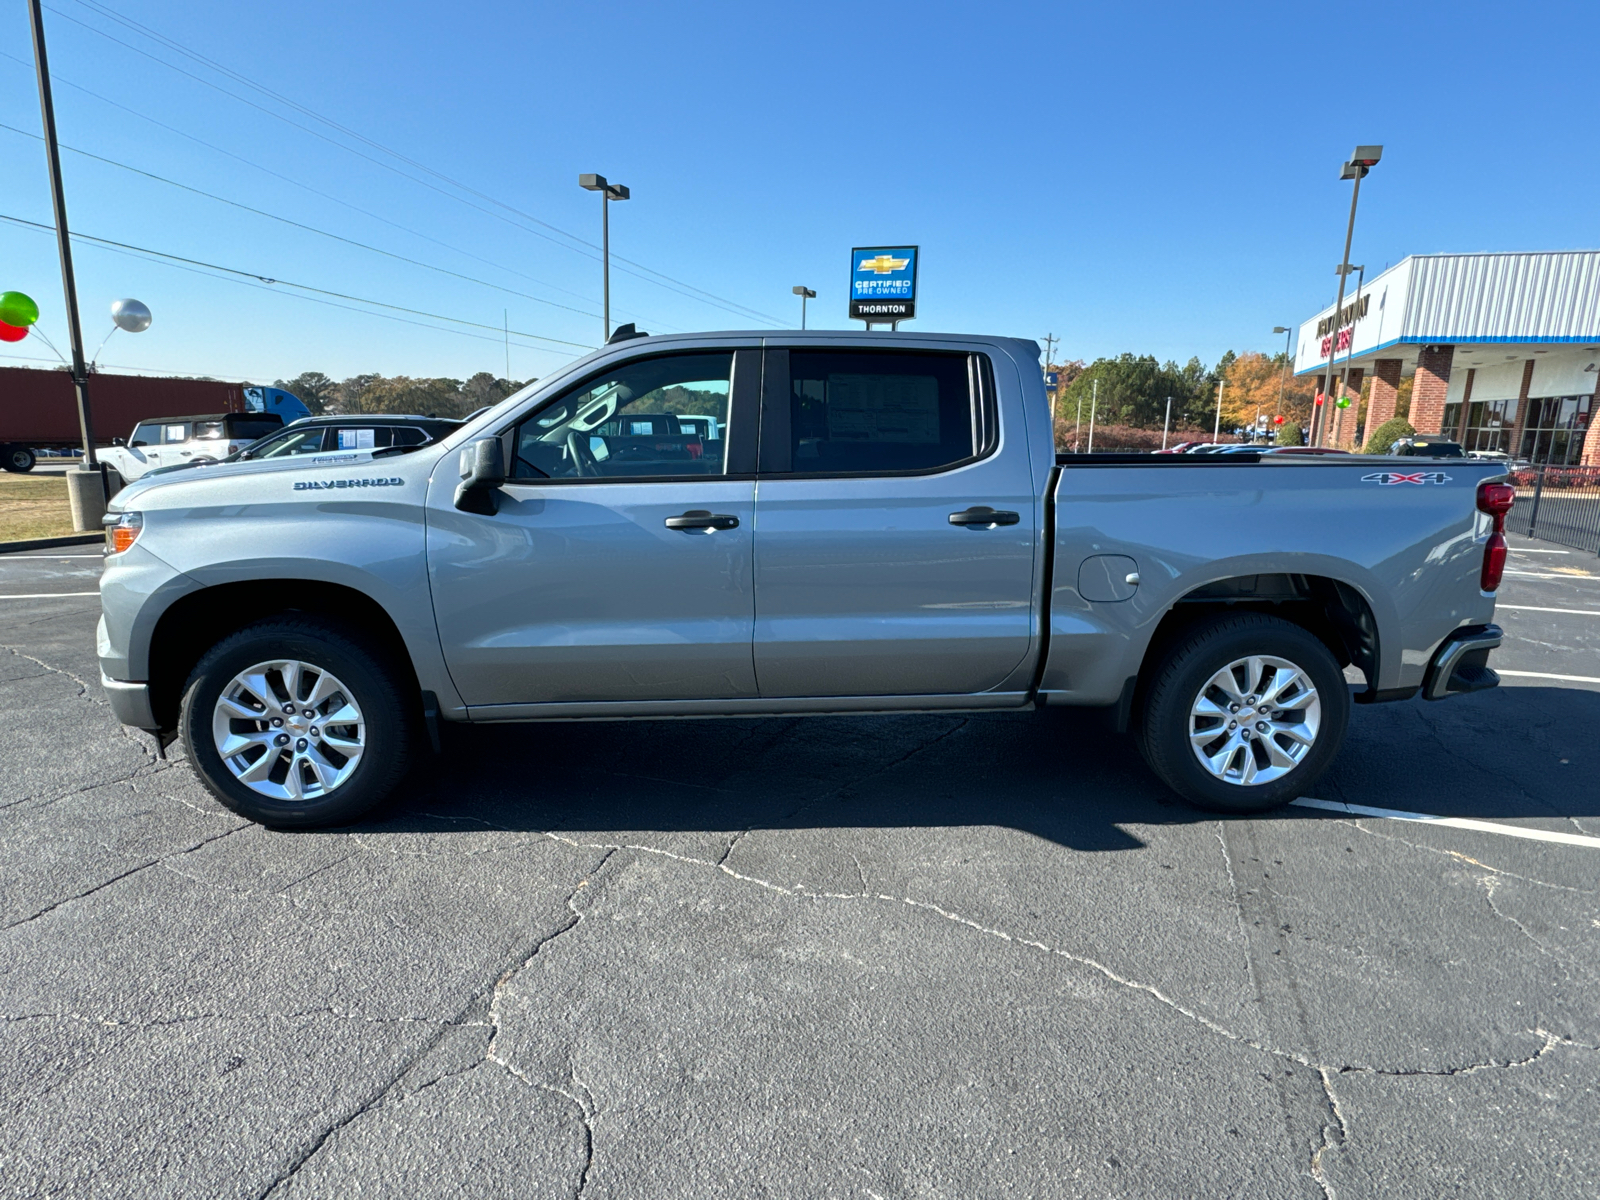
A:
(1151, 177)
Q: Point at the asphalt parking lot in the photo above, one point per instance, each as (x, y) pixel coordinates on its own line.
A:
(932, 956)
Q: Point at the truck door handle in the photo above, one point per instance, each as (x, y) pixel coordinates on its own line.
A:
(983, 517)
(702, 520)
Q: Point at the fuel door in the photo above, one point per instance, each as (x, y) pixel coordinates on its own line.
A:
(1108, 577)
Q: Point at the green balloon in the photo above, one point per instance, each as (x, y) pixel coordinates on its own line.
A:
(18, 309)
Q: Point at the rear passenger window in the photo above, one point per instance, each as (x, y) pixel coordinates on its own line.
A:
(405, 435)
(855, 412)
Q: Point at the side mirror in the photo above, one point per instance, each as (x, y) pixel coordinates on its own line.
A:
(116, 441)
(483, 472)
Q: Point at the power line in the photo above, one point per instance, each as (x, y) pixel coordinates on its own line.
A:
(229, 72)
(289, 179)
(584, 247)
(300, 225)
(273, 281)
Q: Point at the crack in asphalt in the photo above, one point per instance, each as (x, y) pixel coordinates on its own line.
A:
(584, 1103)
(1238, 908)
(83, 687)
(378, 1098)
(1467, 858)
(1329, 1142)
(1489, 884)
(1549, 1040)
(834, 793)
(130, 872)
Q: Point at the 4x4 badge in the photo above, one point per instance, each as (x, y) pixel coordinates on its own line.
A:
(1386, 478)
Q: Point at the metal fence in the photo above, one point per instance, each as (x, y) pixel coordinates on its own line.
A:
(1558, 504)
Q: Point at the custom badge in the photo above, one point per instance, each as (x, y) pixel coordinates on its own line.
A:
(1389, 478)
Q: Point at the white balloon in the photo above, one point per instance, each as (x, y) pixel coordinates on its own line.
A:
(131, 316)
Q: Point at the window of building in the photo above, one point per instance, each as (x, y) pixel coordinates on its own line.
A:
(1555, 428)
(870, 411)
(1488, 424)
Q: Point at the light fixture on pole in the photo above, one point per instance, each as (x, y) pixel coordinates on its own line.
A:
(805, 294)
(608, 193)
(1361, 161)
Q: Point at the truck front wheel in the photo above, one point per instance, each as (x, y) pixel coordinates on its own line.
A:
(294, 722)
(17, 459)
(1246, 714)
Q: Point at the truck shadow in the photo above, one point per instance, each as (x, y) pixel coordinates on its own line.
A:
(1059, 775)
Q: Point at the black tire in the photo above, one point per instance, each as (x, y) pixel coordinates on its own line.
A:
(391, 722)
(19, 460)
(1178, 684)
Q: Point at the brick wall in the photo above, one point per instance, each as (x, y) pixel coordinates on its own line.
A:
(1429, 388)
(1385, 390)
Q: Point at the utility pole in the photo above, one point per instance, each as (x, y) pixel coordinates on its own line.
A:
(1077, 430)
(1216, 429)
(1094, 407)
(507, 313)
(1166, 426)
(1050, 341)
(88, 506)
(1362, 161)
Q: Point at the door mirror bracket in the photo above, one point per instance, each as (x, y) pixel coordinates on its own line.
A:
(483, 473)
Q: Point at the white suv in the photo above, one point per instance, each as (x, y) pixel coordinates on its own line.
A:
(177, 441)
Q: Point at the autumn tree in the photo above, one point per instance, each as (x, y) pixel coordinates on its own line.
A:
(1254, 384)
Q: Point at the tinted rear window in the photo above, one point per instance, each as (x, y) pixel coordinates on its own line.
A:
(251, 428)
(869, 411)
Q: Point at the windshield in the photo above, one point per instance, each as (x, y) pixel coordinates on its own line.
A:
(290, 442)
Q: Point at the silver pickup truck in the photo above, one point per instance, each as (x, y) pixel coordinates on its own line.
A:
(880, 525)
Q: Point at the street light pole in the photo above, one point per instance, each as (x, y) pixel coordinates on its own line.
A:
(1216, 429)
(69, 285)
(1362, 161)
(1166, 426)
(608, 193)
(805, 294)
(1283, 375)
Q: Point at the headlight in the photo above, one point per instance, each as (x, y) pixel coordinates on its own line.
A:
(122, 530)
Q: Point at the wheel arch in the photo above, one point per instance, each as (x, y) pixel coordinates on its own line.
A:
(1336, 612)
(198, 620)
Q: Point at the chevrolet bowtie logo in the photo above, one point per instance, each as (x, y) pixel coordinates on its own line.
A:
(884, 264)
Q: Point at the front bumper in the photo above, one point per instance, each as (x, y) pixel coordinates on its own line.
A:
(130, 702)
(1461, 664)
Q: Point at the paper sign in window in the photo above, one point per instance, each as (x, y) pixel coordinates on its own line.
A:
(355, 439)
(883, 408)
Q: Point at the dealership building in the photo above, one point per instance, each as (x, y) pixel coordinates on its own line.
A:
(1504, 351)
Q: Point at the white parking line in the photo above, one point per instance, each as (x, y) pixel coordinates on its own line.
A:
(1515, 550)
(1542, 675)
(1553, 575)
(1517, 831)
(1576, 612)
(47, 595)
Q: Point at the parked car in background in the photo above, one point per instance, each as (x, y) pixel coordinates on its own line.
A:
(1303, 450)
(1427, 448)
(335, 439)
(184, 441)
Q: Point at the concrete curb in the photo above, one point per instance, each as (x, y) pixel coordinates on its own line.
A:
(77, 539)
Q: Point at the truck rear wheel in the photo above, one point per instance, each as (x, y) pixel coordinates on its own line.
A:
(17, 459)
(1246, 714)
(295, 723)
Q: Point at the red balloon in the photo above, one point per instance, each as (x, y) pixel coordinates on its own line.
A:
(1277, 420)
(12, 333)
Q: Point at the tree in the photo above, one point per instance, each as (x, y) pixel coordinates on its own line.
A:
(1388, 434)
(1253, 386)
(484, 389)
(314, 388)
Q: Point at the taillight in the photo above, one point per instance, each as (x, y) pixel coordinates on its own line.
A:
(1495, 499)
(1494, 562)
(125, 531)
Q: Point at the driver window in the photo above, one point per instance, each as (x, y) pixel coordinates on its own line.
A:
(647, 418)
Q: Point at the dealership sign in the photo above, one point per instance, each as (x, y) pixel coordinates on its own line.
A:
(883, 284)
